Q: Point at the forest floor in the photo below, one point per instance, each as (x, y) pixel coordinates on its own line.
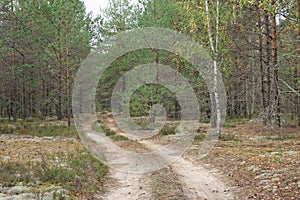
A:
(250, 161)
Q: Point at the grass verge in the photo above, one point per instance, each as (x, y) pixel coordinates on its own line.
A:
(39, 129)
(108, 132)
(76, 171)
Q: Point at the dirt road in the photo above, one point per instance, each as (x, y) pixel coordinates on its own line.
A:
(182, 180)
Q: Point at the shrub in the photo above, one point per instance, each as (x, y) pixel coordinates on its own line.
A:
(107, 131)
(199, 137)
(143, 122)
(229, 137)
(119, 137)
(168, 129)
(7, 129)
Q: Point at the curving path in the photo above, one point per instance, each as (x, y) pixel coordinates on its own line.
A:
(196, 182)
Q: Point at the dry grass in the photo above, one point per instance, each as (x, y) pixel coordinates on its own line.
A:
(263, 162)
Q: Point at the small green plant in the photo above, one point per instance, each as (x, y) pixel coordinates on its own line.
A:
(107, 131)
(229, 125)
(119, 138)
(100, 121)
(59, 196)
(96, 127)
(143, 122)
(199, 137)
(168, 129)
(4, 120)
(13, 172)
(231, 122)
(229, 137)
(278, 156)
(7, 129)
(51, 130)
(204, 120)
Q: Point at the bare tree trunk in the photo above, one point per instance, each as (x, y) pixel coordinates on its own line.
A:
(268, 67)
(275, 67)
(253, 90)
(68, 81)
(13, 63)
(23, 100)
(261, 65)
(248, 97)
(297, 70)
(156, 61)
(59, 90)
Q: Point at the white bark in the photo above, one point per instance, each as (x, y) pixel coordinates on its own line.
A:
(209, 27)
(292, 89)
(214, 48)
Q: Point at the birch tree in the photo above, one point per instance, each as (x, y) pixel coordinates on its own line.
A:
(214, 45)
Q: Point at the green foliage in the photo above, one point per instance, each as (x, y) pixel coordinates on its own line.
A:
(157, 13)
(107, 131)
(168, 129)
(199, 137)
(119, 16)
(12, 173)
(38, 70)
(6, 129)
(146, 96)
(100, 121)
(204, 120)
(119, 138)
(50, 40)
(229, 125)
(231, 122)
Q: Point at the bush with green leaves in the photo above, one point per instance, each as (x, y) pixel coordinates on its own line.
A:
(107, 131)
(168, 129)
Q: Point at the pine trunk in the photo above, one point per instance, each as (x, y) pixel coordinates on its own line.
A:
(275, 67)
(261, 65)
(297, 70)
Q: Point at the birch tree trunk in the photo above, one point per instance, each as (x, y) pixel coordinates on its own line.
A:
(214, 48)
